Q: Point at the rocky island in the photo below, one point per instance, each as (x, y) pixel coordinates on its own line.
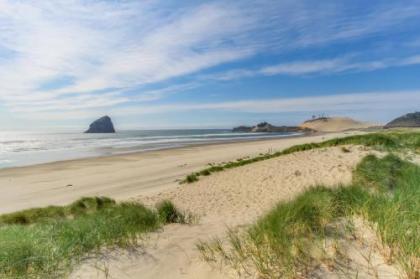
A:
(409, 120)
(101, 125)
(265, 127)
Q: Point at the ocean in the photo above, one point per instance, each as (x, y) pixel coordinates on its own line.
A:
(29, 148)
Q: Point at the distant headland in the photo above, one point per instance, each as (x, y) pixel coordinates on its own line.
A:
(408, 120)
(265, 127)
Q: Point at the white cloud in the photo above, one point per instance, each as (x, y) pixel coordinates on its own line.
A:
(303, 67)
(109, 48)
(360, 102)
(109, 45)
(317, 67)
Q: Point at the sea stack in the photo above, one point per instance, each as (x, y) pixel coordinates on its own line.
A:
(408, 120)
(101, 125)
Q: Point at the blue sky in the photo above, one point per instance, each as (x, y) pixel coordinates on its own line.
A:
(192, 64)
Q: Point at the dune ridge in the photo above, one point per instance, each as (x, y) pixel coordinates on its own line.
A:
(334, 124)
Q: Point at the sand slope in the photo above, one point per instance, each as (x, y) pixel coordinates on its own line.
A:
(334, 124)
(257, 187)
(235, 197)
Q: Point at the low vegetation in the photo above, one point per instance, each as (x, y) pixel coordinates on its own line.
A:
(80, 207)
(168, 213)
(381, 141)
(48, 242)
(386, 192)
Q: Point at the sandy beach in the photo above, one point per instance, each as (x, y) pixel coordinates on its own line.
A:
(209, 139)
(124, 176)
(234, 198)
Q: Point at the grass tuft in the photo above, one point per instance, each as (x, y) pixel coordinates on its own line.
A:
(168, 213)
(191, 178)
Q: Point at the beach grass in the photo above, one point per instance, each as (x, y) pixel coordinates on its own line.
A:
(281, 244)
(385, 141)
(168, 213)
(80, 207)
(48, 242)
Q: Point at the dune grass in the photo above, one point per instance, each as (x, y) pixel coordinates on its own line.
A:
(48, 242)
(80, 207)
(168, 213)
(386, 192)
(391, 140)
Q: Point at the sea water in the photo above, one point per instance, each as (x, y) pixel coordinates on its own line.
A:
(28, 148)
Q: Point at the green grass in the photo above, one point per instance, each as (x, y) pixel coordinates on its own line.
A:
(168, 213)
(382, 141)
(282, 243)
(48, 242)
(80, 207)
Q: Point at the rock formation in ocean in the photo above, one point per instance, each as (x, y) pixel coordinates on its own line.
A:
(265, 127)
(408, 120)
(101, 125)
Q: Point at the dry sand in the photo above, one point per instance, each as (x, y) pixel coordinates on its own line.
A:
(122, 176)
(257, 187)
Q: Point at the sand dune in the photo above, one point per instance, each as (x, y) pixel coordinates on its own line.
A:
(334, 124)
(257, 187)
(231, 198)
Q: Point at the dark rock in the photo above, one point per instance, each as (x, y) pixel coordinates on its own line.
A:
(102, 125)
(321, 118)
(242, 129)
(408, 120)
(265, 127)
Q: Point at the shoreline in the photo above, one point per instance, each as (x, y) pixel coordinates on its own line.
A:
(126, 176)
(136, 151)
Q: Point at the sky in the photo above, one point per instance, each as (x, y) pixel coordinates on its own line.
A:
(205, 64)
